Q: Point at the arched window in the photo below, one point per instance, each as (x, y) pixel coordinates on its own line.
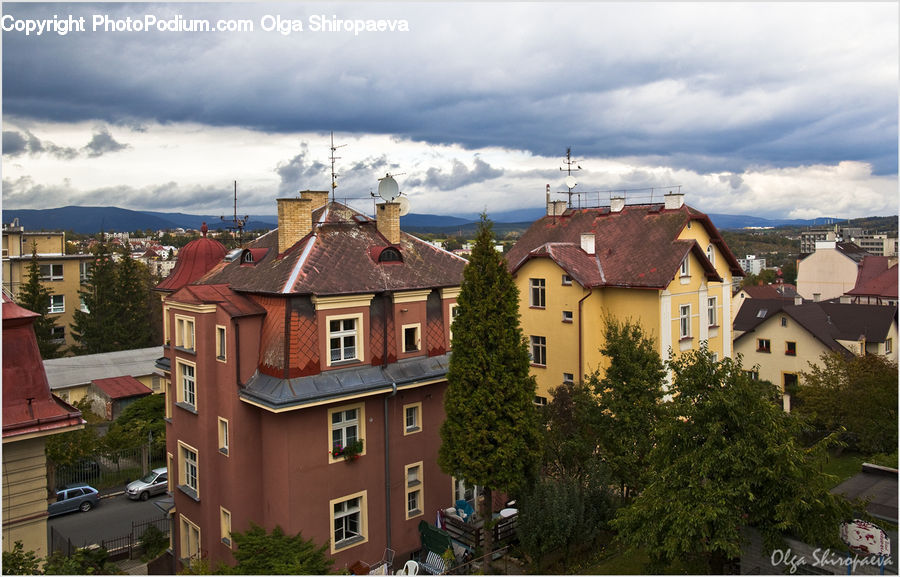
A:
(390, 254)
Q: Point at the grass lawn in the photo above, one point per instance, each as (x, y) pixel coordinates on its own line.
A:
(847, 464)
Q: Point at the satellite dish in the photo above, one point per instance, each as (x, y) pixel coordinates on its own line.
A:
(404, 205)
(570, 181)
(388, 188)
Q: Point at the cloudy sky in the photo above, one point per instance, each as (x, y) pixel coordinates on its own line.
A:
(771, 109)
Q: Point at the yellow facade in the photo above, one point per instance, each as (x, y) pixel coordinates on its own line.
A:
(25, 495)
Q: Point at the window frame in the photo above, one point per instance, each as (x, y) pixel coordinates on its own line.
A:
(566, 280)
(224, 436)
(357, 333)
(360, 424)
(537, 293)
(711, 254)
(764, 345)
(538, 346)
(888, 345)
(221, 343)
(188, 470)
(51, 276)
(225, 526)
(790, 348)
(712, 313)
(684, 322)
(416, 488)
(453, 311)
(417, 426)
(185, 333)
(181, 387)
(362, 534)
(188, 528)
(56, 308)
(685, 268)
(417, 332)
(568, 317)
(568, 378)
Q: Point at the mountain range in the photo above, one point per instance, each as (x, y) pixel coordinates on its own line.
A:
(91, 220)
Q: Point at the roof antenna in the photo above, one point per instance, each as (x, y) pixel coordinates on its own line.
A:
(570, 180)
(237, 223)
(334, 175)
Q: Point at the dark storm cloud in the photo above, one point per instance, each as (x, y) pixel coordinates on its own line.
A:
(17, 143)
(707, 97)
(460, 175)
(103, 142)
(14, 143)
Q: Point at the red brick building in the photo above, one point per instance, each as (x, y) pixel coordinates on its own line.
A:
(332, 331)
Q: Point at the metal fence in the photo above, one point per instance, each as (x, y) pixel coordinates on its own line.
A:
(122, 547)
(110, 469)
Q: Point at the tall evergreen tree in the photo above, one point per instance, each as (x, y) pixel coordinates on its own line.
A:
(94, 329)
(629, 400)
(491, 436)
(36, 297)
(133, 331)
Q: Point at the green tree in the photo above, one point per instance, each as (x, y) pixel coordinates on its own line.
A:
(855, 397)
(133, 304)
(491, 435)
(71, 447)
(36, 297)
(86, 561)
(629, 400)
(142, 419)
(275, 553)
(95, 329)
(20, 562)
(727, 458)
(570, 433)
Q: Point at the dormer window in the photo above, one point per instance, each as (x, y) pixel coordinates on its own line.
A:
(390, 254)
(247, 257)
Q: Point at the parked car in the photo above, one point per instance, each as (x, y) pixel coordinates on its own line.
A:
(74, 498)
(153, 483)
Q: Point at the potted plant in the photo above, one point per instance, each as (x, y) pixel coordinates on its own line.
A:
(350, 451)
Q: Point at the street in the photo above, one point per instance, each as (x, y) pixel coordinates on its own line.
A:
(111, 519)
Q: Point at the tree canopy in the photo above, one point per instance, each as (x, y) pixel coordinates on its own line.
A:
(276, 553)
(35, 297)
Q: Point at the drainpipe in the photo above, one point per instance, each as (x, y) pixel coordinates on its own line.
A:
(387, 468)
(581, 334)
(237, 353)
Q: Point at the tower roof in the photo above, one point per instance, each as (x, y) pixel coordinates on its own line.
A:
(196, 259)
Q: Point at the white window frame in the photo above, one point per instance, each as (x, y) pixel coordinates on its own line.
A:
(711, 254)
(568, 378)
(189, 470)
(57, 304)
(342, 333)
(221, 343)
(52, 276)
(343, 510)
(84, 271)
(190, 540)
(888, 345)
(454, 312)
(538, 350)
(186, 389)
(415, 488)
(414, 409)
(343, 425)
(566, 280)
(184, 332)
(686, 267)
(684, 321)
(417, 328)
(712, 315)
(225, 526)
(224, 437)
(567, 317)
(537, 291)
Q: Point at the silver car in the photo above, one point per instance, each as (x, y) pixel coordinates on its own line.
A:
(153, 483)
(74, 498)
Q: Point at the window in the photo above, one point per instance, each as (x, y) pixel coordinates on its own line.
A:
(85, 269)
(711, 317)
(347, 427)
(763, 346)
(57, 304)
(465, 492)
(761, 314)
(187, 388)
(170, 466)
(414, 489)
(223, 436)
(349, 521)
(343, 338)
(58, 334)
(784, 321)
(568, 378)
(190, 540)
(538, 292)
(685, 267)
(790, 348)
(754, 375)
(540, 401)
(225, 525)
(220, 343)
(51, 271)
(684, 321)
(84, 308)
(411, 418)
(188, 471)
(888, 346)
(566, 280)
(538, 350)
(390, 254)
(711, 254)
(411, 338)
(567, 316)
(184, 332)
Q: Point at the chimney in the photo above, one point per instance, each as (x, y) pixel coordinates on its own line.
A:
(294, 221)
(798, 300)
(587, 242)
(319, 198)
(556, 207)
(387, 219)
(674, 200)
(616, 204)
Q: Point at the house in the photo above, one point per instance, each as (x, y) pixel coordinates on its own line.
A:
(780, 291)
(876, 282)
(62, 273)
(30, 414)
(305, 376)
(830, 271)
(664, 265)
(781, 338)
(109, 397)
(70, 377)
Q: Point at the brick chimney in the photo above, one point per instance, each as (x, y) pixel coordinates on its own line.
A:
(319, 198)
(674, 200)
(387, 219)
(294, 221)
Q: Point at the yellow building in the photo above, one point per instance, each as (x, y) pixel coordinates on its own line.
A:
(61, 273)
(662, 265)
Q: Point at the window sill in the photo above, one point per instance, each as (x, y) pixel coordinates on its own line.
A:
(220, 358)
(411, 430)
(344, 363)
(187, 407)
(567, 321)
(767, 351)
(537, 307)
(189, 492)
(413, 514)
(684, 339)
(224, 450)
(538, 365)
(227, 542)
(347, 543)
(191, 352)
(790, 354)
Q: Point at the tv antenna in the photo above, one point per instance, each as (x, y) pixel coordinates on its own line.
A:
(334, 175)
(237, 223)
(571, 182)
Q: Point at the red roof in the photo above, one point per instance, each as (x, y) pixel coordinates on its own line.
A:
(28, 405)
(195, 259)
(229, 301)
(122, 387)
(875, 278)
(637, 247)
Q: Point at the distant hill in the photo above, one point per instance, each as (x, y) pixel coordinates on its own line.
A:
(93, 219)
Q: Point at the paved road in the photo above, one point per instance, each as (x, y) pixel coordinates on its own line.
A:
(110, 520)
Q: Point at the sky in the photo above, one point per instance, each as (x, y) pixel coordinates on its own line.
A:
(778, 110)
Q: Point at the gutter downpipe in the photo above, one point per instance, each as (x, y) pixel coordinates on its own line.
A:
(580, 334)
(387, 469)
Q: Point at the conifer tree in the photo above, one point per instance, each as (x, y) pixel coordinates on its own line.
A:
(95, 329)
(133, 301)
(491, 436)
(36, 297)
